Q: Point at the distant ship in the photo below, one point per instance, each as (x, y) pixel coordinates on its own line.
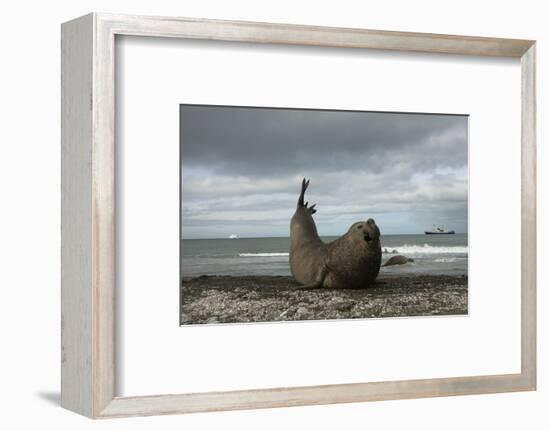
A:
(233, 236)
(439, 230)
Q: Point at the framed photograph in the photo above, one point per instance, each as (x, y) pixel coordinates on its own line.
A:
(265, 215)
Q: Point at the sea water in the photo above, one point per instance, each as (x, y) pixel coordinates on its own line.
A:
(432, 254)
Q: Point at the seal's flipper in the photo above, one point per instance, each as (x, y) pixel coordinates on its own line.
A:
(318, 283)
(305, 184)
(301, 203)
(314, 285)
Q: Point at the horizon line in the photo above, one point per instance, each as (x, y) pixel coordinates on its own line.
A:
(321, 236)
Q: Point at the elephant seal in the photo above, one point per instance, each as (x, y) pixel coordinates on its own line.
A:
(398, 260)
(351, 261)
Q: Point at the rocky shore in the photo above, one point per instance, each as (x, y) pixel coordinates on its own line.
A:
(226, 299)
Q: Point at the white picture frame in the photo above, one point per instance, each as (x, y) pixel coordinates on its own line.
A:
(89, 201)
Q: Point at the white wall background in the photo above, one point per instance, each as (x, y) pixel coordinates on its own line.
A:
(29, 217)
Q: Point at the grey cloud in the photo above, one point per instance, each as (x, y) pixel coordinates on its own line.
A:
(295, 140)
(241, 169)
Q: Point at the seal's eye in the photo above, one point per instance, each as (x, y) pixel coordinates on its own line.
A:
(367, 237)
(360, 226)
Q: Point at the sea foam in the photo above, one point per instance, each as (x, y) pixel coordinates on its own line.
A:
(427, 249)
(405, 249)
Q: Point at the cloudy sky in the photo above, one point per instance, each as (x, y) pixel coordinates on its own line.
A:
(242, 169)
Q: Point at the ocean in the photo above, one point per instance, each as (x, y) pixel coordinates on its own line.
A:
(432, 254)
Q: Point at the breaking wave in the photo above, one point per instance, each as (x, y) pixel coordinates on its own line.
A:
(425, 249)
(403, 249)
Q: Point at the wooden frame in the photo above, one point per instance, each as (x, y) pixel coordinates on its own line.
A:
(88, 215)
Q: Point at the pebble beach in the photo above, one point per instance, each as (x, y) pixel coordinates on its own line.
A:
(244, 299)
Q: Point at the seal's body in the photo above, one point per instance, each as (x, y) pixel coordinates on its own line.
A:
(351, 261)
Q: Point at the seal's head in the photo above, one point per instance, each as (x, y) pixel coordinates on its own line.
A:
(365, 233)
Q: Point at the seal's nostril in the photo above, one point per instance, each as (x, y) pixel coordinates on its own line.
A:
(370, 221)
